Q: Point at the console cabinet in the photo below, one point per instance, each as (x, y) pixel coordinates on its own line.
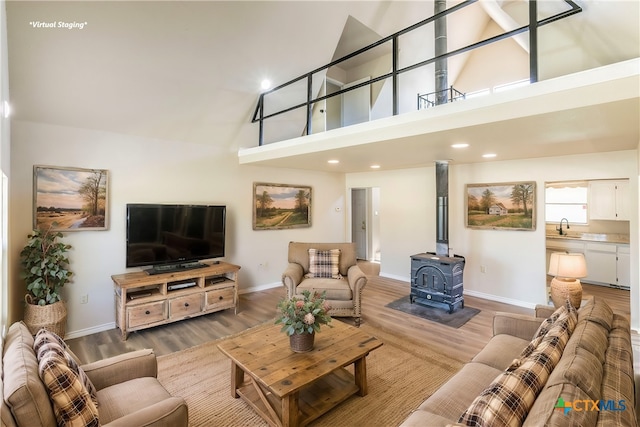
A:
(144, 301)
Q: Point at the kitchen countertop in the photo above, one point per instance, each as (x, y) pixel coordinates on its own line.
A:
(592, 237)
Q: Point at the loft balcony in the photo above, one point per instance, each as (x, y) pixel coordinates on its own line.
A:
(590, 110)
(595, 110)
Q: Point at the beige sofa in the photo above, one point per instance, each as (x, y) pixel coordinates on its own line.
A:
(128, 392)
(344, 295)
(592, 383)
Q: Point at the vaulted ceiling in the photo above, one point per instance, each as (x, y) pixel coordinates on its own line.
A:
(191, 71)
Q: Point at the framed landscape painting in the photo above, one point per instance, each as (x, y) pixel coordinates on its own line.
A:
(507, 206)
(72, 198)
(279, 206)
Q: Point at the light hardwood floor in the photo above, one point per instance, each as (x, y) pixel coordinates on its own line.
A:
(257, 307)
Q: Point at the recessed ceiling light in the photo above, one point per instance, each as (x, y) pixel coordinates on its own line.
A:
(460, 145)
(375, 166)
(488, 155)
(266, 84)
(333, 161)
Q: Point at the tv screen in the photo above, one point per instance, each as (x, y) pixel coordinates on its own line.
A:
(174, 234)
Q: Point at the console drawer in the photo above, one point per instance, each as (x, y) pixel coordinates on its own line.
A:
(146, 313)
(220, 298)
(185, 306)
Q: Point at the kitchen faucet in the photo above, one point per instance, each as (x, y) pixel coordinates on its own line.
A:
(560, 229)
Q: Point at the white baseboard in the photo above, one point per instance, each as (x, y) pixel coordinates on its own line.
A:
(476, 294)
(111, 325)
(260, 288)
(495, 298)
(88, 331)
(395, 277)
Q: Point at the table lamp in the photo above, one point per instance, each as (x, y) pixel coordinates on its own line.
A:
(567, 269)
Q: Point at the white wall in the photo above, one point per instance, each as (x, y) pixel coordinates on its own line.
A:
(5, 158)
(514, 260)
(143, 170)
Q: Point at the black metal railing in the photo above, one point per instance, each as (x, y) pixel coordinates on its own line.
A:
(428, 100)
(259, 113)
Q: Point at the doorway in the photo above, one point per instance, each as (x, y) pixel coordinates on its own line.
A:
(365, 222)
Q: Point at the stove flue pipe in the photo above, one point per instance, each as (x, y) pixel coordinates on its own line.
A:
(442, 207)
(441, 67)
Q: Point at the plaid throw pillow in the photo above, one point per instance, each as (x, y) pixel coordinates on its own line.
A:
(507, 401)
(543, 329)
(72, 404)
(47, 342)
(324, 263)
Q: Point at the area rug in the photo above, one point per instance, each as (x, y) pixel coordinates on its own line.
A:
(201, 375)
(435, 314)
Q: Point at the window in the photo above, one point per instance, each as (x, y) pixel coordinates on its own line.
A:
(566, 200)
(512, 85)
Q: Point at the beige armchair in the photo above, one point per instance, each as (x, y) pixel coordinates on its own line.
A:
(344, 294)
(128, 392)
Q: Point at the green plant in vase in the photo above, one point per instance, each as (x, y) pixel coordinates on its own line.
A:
(45, 270)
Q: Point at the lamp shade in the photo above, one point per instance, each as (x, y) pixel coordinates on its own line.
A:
(565, 264)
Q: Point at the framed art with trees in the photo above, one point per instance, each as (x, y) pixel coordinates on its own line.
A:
(74, 199)
(281, 206)
(507, 206)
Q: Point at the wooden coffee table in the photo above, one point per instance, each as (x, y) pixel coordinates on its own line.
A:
(292, 389)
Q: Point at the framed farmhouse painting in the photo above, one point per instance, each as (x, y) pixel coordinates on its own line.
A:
(507, 206)
(278, 206)
(72, 198)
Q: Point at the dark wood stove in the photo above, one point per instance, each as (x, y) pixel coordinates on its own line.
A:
(436, 280)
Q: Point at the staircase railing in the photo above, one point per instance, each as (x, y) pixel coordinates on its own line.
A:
(427, 100)
(259, 113)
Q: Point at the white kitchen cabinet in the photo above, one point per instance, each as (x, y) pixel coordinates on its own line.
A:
(609, 200)
(624, 266)
(602, 263)
(607, 263)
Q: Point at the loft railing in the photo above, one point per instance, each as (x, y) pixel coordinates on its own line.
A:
(428, 100)
(532, 27)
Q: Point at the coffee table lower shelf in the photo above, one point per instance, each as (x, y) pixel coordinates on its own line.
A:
(313, 401)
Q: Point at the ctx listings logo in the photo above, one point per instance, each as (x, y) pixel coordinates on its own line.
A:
(581, 405)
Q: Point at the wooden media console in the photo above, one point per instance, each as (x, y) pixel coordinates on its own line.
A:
(144, 301)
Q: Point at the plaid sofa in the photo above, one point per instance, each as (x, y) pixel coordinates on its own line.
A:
(125, 388)
(559, 368)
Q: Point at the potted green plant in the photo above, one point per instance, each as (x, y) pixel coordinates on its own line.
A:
(301, 319)
(45, 269)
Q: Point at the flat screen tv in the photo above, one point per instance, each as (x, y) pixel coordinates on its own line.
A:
(174, 237)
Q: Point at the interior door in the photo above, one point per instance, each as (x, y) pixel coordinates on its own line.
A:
(356, 104)
(333, 106)
(359, 224)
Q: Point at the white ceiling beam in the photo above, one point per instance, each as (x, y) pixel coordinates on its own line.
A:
(505, 21)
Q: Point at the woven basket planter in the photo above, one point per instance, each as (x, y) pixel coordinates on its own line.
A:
(302, 343)
(52, 317)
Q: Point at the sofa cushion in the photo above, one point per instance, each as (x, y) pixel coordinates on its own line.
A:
(23, 390)
(500, 351)
(72, 403)
(598, 311)
(324, 264)
(508, 399)
(551, 408)
(618, 386)
(581, 369)
(125, 398)
(49, 341)
(336, 290)
(454, 396)
(591, 337)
